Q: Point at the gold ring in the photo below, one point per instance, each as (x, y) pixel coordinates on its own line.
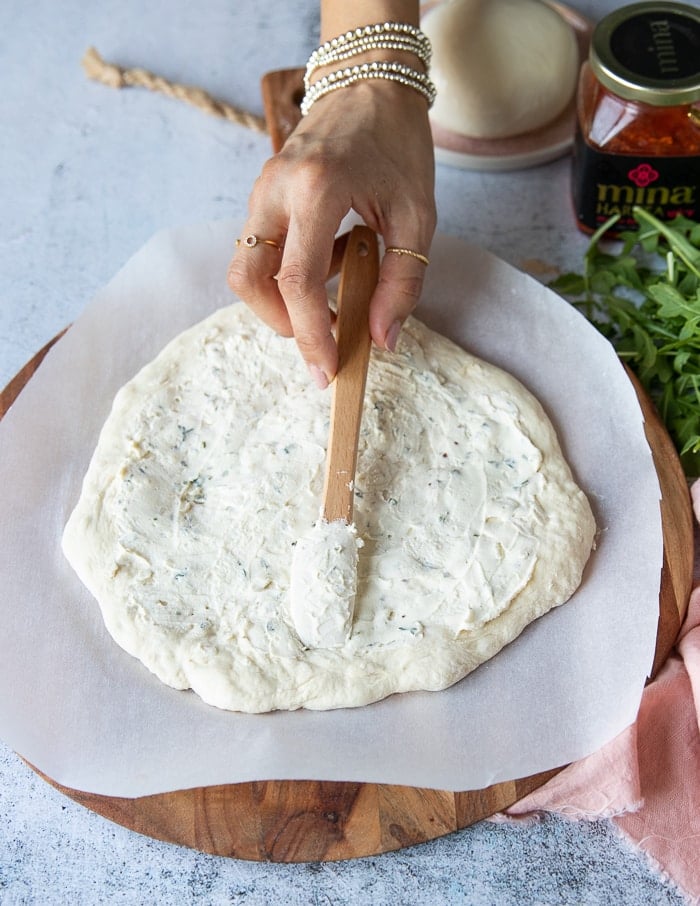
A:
(251, 241)
(397, 251)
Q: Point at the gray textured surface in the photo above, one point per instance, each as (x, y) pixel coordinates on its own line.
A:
(87, 175)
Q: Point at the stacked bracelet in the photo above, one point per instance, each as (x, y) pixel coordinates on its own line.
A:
(382, 36)
(394, 72)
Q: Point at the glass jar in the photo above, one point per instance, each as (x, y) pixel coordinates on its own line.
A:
(638, 130)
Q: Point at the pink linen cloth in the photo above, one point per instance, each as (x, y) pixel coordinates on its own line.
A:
(647, 779)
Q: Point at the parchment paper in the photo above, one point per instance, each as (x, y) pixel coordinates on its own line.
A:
(92, 718)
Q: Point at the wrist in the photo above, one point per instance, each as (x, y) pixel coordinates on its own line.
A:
(337, 17)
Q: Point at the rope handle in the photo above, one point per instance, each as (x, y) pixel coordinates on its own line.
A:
(118, 77)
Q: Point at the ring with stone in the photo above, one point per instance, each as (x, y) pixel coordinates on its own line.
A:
(252, 240)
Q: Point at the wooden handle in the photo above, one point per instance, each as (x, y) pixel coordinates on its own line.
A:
(358, 278)
(282, 92)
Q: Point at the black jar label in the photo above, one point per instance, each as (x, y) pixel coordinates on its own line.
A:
(605, 185)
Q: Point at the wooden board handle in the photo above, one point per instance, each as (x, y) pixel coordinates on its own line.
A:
(358, 278)
(282, 92)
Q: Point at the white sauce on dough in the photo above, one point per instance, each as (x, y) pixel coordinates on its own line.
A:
(324, 584)
(210, 467)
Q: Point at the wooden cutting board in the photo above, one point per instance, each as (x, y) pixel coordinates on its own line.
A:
(299, 821)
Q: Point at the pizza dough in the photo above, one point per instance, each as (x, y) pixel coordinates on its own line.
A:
(210, 467)
(501, 67)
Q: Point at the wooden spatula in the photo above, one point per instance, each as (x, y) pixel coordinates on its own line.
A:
(324, 565)
(358, 278)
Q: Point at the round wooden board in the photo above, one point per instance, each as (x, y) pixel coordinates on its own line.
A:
(302, 821)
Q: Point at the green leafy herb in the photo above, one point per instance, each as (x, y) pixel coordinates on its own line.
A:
(642, 292)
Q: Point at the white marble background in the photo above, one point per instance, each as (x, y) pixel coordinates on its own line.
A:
(87, 174)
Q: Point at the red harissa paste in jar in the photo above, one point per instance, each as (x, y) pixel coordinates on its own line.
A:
(638, 131)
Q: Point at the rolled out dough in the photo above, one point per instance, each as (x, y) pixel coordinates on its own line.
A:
(210, 467)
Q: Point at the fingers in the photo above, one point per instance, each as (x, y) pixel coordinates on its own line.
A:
(301, 280)
(251, 275)
(297, 204)
(399, 288)
(285, 285)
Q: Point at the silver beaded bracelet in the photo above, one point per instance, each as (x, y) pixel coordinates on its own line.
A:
(393, 72)
(381, 36)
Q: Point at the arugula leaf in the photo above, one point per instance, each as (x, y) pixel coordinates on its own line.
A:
(642, 291)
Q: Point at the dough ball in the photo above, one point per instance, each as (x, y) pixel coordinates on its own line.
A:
(501, 67)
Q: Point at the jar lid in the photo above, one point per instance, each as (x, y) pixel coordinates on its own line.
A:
(649, 52)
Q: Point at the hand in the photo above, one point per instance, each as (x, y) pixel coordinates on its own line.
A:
(366, 148)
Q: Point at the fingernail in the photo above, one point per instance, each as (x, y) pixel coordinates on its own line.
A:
(319, 377)
(392, 336)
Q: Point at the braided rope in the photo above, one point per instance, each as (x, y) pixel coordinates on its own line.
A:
(117, 77)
